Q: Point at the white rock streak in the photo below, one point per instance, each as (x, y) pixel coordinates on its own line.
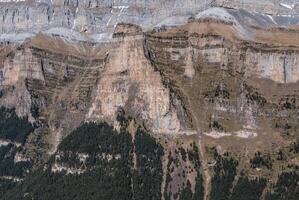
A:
(270, 16)
(244, 133)
(291, 7)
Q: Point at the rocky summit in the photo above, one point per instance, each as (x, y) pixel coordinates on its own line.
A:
(149, 99)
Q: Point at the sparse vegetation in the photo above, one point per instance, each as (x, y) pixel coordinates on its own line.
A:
(287, 127)
(295, 147)
(219, 91)
(215, 125)
(260, 160)
(34, 109)
(167, 194)
(287, 104)
(193, 155)
(254, 96)
(185, 191)
(183, 154)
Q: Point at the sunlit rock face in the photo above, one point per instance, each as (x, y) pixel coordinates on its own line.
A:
(22, 65)
(79, 58)
(243, 66)
(91, 63)
(171, 95)
(130, 81)
(280, 67)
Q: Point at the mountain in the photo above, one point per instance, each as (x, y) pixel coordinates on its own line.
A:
(149, 99)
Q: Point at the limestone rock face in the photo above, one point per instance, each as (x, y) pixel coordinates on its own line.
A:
(85, 20)
(280, 67)
(88, 20)
(220, 72)
(153, 75)
(20, 66)
(201, 76)
(67, 70)
(130, 81)
(46, 84)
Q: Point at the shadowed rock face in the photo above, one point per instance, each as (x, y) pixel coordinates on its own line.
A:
(186, 72)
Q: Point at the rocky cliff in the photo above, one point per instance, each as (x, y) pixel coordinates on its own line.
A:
(149, 99)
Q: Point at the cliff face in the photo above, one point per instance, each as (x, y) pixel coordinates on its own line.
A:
(86, 20)
(129, 81)
(96, 20)
(49, 81)
(215, 69)
(163, 99)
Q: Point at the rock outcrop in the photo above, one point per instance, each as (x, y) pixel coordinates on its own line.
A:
(129, 81)
(211, 64)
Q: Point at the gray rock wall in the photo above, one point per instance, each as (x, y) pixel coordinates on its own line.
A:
(95, 20)
(89, 16)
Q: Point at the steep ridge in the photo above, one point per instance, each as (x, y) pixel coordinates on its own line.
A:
(129, 81)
